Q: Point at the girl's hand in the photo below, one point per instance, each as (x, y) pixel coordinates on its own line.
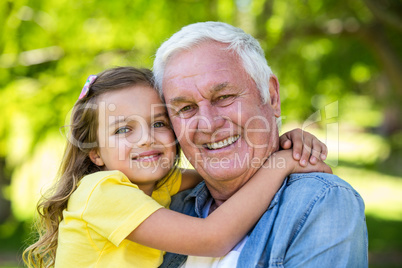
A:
(293, 166)
(306, 147)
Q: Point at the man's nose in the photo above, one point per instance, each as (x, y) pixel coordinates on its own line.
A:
(209, 119)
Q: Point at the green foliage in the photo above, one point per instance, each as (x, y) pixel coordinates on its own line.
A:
(323, 52)
(49, 47)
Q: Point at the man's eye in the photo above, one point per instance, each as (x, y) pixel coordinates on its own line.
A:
(185, 109)
(224, 100)
(122, 130)
(224, 97)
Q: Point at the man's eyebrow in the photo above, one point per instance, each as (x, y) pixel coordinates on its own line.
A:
(219, 87)
(177, 100)
(213, 90)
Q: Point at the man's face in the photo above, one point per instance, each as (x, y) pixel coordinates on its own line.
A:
(215, 107)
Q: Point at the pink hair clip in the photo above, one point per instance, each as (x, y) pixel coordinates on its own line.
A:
(91, 79)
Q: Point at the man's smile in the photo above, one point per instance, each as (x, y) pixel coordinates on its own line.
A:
(223, 143)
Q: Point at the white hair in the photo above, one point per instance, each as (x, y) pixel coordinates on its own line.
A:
(247, 48)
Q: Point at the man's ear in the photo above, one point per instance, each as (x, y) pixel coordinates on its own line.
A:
(95, 158)
(274, 95)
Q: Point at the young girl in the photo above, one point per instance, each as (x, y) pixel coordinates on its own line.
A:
(118, 173)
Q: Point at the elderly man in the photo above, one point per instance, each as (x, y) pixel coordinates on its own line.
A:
(223, 101)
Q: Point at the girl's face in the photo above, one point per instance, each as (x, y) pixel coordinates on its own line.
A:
(134, 135)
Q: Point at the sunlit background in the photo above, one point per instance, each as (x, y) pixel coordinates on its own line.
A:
(338, 62)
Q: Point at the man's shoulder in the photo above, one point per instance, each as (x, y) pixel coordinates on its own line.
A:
(310, 213)
(317, 181)
(320, 198)
(308, 188)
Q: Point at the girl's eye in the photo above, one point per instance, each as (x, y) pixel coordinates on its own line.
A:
(159, 124)
(122, 130)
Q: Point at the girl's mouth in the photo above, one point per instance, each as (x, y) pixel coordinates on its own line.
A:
(147, 156)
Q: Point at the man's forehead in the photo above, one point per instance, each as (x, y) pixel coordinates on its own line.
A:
(187, 95)
(201, 71)
(188, 62)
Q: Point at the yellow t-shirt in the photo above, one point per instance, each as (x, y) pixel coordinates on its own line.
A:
(104, 209)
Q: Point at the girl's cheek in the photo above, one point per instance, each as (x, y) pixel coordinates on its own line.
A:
(101, 138)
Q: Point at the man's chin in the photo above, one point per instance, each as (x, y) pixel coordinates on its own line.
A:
(224, 175)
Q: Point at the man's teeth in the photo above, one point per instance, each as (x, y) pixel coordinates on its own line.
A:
(224, 143)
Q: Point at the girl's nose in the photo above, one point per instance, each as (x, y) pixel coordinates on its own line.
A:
(146, 138)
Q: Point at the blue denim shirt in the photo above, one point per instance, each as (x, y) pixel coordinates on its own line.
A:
(314, 220)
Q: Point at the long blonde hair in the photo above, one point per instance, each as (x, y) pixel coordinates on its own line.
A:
(76, 162)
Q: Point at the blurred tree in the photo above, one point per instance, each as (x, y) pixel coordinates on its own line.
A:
(351, 51)
(355, 45)
(322, 51)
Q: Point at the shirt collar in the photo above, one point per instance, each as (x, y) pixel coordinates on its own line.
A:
(201, 195)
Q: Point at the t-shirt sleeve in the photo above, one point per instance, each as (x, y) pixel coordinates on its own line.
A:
(116, 207)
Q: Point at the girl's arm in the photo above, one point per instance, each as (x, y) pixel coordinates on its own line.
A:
(217, 234)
